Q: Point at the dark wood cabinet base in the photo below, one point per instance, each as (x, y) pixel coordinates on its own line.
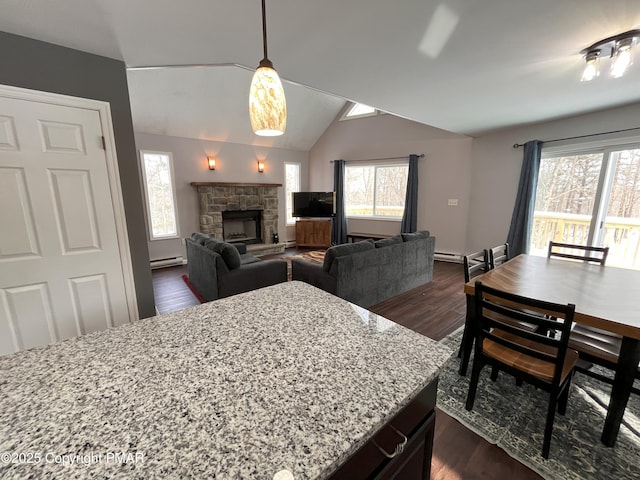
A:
(416, 422)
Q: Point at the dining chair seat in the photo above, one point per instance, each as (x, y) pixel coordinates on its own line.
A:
(596, 346)
(531, 365)
(596, 342)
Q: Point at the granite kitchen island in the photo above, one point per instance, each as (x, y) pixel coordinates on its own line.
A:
(287, 377)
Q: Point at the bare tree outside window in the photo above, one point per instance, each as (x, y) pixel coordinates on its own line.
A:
(375, 190)
(590, 199)
(158, 179)
(291, 184)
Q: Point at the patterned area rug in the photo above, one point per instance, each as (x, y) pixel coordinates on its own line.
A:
(513, 418)
(313, 256)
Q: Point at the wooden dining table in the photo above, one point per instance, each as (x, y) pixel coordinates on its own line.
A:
(605, 297)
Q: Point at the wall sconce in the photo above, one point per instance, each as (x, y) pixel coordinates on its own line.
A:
(260, 166)
(212, 163)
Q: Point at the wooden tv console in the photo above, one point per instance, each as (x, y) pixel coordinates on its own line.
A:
(313, 232)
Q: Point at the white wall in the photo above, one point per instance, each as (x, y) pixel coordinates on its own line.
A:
(496, 165)
(234, 163)
(444, 173)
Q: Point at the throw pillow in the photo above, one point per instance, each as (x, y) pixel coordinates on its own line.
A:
(408, 237)
(388, 241)
(345, 249)
(199, 238)
(228, 252)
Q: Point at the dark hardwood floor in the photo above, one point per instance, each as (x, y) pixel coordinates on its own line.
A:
(435, 310)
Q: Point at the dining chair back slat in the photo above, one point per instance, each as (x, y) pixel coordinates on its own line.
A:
(585, 253)
(498, 255)
(475, 264)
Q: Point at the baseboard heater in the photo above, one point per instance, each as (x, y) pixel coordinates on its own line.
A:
(448, 257)
(166, 262)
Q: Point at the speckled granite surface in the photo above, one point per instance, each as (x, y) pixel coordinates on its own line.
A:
(286, 377)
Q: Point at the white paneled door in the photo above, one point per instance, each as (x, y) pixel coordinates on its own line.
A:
(61, 262)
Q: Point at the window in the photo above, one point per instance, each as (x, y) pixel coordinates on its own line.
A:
(375, 190)
(291, 184)
(590, 197)
(157, 174)
(359, 110)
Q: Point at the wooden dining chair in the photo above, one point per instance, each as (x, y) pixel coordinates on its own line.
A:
(475, 264)
(498, 255)
(594, 346)
(545, 362)
(599, 347)
(584, 252)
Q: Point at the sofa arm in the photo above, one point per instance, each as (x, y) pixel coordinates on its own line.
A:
(313, 274)
(241, 247)
(252, 276)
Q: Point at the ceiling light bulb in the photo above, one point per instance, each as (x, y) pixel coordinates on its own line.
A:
(622, 58)
(591, 69)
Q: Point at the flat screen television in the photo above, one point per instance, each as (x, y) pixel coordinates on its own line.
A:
(314, 204)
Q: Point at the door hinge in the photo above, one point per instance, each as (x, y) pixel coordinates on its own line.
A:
(104, 143)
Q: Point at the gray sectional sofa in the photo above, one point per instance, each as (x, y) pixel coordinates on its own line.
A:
(369, 272)
(218, 269)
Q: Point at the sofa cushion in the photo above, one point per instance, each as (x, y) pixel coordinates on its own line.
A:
(408, 237)
(385, 242)
(345, 249)
(199, 238)
(228, 252)
(247, 258)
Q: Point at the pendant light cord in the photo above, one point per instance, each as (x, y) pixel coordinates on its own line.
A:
(264, 31)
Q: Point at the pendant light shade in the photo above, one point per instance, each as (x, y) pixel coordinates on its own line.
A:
(267, 104)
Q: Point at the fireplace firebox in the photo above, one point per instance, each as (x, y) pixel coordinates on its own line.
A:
(242, 226)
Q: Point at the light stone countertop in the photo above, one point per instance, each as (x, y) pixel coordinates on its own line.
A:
(285, 377)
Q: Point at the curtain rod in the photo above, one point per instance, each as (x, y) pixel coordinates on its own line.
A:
(518, 145)
(375, 159)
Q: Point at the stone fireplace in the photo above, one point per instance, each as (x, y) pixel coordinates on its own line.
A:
(234, 209)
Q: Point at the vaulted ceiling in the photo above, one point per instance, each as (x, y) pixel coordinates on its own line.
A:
(460, 65)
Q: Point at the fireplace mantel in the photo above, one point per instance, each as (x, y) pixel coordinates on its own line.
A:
(231, 184)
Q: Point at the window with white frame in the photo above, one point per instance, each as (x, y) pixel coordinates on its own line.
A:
(157, 174)
(590, 196)
(359, 110)
(375, 190)
(291, 184)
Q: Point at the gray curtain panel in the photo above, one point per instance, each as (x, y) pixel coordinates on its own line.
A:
(339, 231)
(522, 219)
(410, 216)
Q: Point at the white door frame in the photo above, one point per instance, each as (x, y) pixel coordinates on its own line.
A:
(104, 111)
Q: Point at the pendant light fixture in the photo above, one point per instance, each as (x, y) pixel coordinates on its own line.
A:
(267, 105)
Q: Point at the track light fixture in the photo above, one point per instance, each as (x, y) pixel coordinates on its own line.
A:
(618, 48)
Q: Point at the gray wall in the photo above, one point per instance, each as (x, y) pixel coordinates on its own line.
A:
(42, 66)
(234, 163)
(444, 173)
(496, 166)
